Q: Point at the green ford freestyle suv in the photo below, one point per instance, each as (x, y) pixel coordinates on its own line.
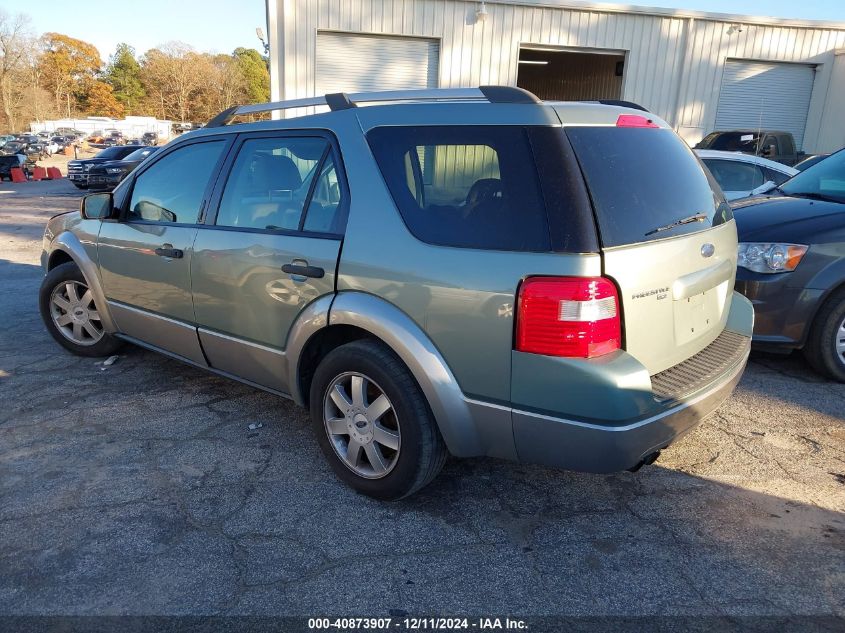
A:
(466, 271)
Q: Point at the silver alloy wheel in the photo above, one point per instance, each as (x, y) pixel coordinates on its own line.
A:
(74, 313)
(362, 425)
(839, 342)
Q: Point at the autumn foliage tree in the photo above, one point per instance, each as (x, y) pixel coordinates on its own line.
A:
(65, 64)
(99, 100)
(60, 76)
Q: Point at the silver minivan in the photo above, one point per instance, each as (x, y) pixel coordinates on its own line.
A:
(467, 272)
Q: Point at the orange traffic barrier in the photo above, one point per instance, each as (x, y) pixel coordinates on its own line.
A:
(39, 173)
(68, 151)
(17, 174)
(53, 173)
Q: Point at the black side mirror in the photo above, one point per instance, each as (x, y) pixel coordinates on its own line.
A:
(97, 206)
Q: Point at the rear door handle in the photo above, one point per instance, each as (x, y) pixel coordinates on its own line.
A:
(169, 251)
(303, 270)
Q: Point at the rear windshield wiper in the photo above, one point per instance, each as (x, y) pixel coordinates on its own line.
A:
(812, 195)
(698, 217)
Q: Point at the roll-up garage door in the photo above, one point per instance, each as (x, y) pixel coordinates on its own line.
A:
(774, 96)
(350, 62)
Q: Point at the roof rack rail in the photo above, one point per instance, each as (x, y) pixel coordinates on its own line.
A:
(343, 101)
(624, 104)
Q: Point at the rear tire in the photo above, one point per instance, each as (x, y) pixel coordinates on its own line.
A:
(825, 349)
(68, 311)
(373, 422)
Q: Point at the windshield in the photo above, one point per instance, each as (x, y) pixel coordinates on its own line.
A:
(825, 179)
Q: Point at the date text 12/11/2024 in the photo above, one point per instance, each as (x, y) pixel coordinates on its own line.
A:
(417, 624)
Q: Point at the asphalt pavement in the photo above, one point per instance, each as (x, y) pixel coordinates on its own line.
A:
(139, 488)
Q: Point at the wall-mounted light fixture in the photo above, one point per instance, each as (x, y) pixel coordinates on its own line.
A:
(735, 28)
(481, 14)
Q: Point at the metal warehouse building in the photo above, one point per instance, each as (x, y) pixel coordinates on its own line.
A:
(699, 71)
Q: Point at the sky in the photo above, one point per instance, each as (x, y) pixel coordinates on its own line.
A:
(220, 26)
(213, 26)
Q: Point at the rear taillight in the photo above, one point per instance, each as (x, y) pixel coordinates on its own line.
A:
(568, 316)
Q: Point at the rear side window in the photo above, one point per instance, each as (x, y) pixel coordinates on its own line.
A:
(733, 175)
(646, 184)
(777, 177)
(468, 187)
(269, 183)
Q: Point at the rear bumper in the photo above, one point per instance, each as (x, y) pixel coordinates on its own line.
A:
(614, 414)
(595, 448)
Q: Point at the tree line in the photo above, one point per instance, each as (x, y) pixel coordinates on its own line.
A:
(57, 76)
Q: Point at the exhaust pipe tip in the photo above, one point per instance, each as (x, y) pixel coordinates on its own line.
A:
(645, 461)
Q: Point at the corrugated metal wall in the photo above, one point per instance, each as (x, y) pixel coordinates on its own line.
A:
(673, 64)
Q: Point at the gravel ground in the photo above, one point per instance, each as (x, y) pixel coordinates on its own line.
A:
(139, 489)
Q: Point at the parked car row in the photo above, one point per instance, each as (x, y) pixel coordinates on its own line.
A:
(107, 167)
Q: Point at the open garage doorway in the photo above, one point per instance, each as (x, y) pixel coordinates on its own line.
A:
(568, 75)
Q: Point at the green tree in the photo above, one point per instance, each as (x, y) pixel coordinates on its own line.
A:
(254, 70)
(123, 74)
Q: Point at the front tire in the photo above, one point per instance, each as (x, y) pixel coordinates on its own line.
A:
(825, 349)
(373, 422)
(67, 308)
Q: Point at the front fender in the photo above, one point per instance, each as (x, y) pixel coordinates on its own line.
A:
(452, 411)
(70, 244)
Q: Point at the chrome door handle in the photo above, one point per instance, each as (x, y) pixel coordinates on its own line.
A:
(169, 251)
(304, 270)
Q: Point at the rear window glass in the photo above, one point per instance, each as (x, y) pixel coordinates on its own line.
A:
(469, 187)
(731, 142)
(646, 184)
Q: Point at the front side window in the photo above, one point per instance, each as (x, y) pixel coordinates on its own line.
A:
(270, 182)
(734, 175)
(469, 187)
(172, 189)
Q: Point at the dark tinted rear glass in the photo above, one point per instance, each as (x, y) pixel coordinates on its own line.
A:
(111, 153)
(731, 142)
(470, 187)
(642, 180)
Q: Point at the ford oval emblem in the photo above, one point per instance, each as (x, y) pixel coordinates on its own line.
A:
(707, 250)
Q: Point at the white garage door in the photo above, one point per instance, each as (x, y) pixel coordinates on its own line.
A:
(773, 96)
(349, 62)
